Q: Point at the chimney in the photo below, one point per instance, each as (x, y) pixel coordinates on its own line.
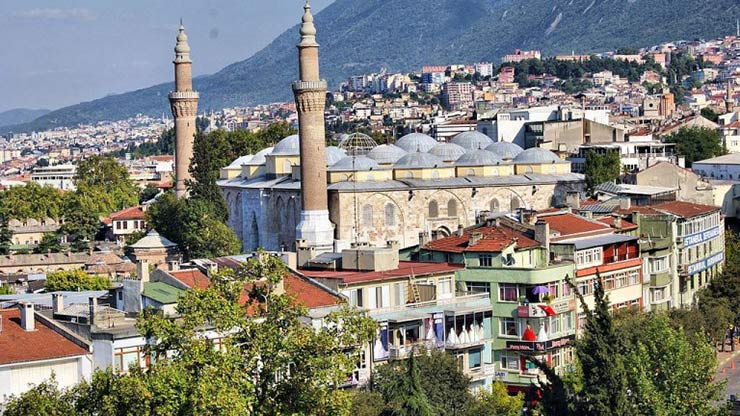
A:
(542, 233)
(573, 200)
(618, 222)
(625, 203)
(460, 230)
(57, 303)
(28, 320)
(142, 271)
(423, 239)
(529, 217)
(474, 238)
(93, 308)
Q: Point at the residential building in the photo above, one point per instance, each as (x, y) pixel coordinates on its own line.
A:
(457, 95)
(126, 222)
(720, 167)
(520, 55)
(59, 176)
(484, 69)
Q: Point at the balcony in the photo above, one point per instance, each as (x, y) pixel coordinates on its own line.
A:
(484, 371)
(399, 352)
(620, 257)
(538, 310)
(539, 347)
(460, 298)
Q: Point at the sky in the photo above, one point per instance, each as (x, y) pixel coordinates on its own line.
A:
(56, 53)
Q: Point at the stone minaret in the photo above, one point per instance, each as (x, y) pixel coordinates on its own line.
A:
(184, 104)
(314, 228)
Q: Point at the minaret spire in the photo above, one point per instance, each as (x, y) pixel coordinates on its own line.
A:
(314, 230)
(184, 105)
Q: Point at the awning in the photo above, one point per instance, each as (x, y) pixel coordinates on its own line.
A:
(549, 311)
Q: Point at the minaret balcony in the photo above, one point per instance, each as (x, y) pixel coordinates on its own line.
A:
(184, 95)
(310, 85)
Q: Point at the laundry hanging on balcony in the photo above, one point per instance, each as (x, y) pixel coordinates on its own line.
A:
(529, 335)
(549, 311)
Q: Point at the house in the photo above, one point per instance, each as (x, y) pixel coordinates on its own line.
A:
(32, 349)
(126, 222)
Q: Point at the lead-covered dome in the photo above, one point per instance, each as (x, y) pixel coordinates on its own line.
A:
(449, 152)
(505, 150)
(259, 157)
(354, 163)
(418, 160)
(472, 140)
(478, 158)
(416, 142)
(386, 154)
(537, 155)
(334, 155)
(289, 146)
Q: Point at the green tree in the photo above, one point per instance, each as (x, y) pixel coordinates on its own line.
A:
(81, 221)
(405, 395)
(75, 280)
(49, 244)
(496, 402)
(696, 143)
(148, 193)
(6, 235)
(31, 201)
(709, 114)
(113, 394)
(104, 183)
(600, 168)
(192, 224)
(44, 399)
(6, 290)
(366, 403)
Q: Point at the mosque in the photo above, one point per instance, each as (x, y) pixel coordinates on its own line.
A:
(416, 189)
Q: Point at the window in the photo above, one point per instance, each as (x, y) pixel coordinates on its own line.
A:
(474, 359)
(444, 287)
(568, 322)
(124, 358)
(470, 172)
(620, 280)
(507, 327)
(634, 277)
(399, 293)
(452, 208)
(589, 257)
(367, 216)
(509, 361)
(379, 297)
(609, 282)
(554, 324)
(118, 225)
(390, 215)
(514, 204)
(355, 297)
(485, 260)
(553, 290)
(658, 295)
(433, 209)
(507, 292)
(659, 264)
(478, 287)
(566, 289)
(585, 287)
(495, 206)
(125, 225)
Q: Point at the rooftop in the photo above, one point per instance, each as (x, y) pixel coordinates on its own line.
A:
(405, 269)
(162, 292)
(493, 239)
(18, 345)
(728, 159)
(567, 224)
(131, 213)
(685, 209)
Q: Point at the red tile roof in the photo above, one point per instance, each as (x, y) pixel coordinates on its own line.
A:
(163, 158)
(626, 225)
(18, 345)
(493, 239)
(309, 294)
(131, 213)
(685, 209)
(569, 224)
(405, 269)
(642, 210)
(192, 278)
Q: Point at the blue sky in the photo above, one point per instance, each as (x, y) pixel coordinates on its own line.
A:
(60, 52)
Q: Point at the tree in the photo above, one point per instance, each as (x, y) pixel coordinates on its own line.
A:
(600, 168)
(709, 114)
(192, 224)
(75, 280)
(366, 403)
(113, 394)
(6, 290)
(81, 221)
(105, 185)
(696, 143)
(44, 399)
(49, 244)
(496, 402)
(405, 395)
(6, 235)
(148, 193)
(31, 201)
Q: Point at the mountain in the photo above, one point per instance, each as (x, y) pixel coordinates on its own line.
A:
(20, 115)
(361, 36)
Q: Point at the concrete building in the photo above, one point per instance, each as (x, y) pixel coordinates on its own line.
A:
(520, 55)
(184, 106)
(720, 167)
(59, 176)
(457, 95)
(689, 186)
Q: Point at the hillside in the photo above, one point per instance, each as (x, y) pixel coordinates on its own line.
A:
(20, 115)
(359, 36)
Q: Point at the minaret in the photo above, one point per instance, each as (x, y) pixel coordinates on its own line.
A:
(184, 104)
(314, 227)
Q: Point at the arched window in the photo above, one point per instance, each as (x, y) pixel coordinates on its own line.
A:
(452, 208)
(390, 215)
(515, 205)
(470, 172)
(409, 175)
(433, 209)
(287, 167)
(528, 170)
(367, 216)
(344, 178)
(494, 205)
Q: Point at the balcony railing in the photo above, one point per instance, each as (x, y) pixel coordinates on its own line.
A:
(404, 351)
(620, 257)
(437, 302)
(485, 370)
(535, 310)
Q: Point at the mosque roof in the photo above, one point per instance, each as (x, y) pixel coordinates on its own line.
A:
(354, 163)
(334, 155)
(386, 153)
(153, 240)
(259, 157)
(478, 158)
(449, 152)
(242, 160)
(472, 140)
(416, 142)
(289, 146)
(505, 150)
(417, 160)
(537, 155)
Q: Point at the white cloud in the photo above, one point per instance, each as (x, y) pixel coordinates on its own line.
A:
(78, 14)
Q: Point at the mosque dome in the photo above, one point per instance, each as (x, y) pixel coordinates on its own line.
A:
(334, 155)
(238, 162)
(472, 140)
(478, 158)
(537, 155)
(418, 160)
(259, 157)
(416, 142)
(289, 146)
(449, 152)
(386, 154)
(354, 163)
(505, 150)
